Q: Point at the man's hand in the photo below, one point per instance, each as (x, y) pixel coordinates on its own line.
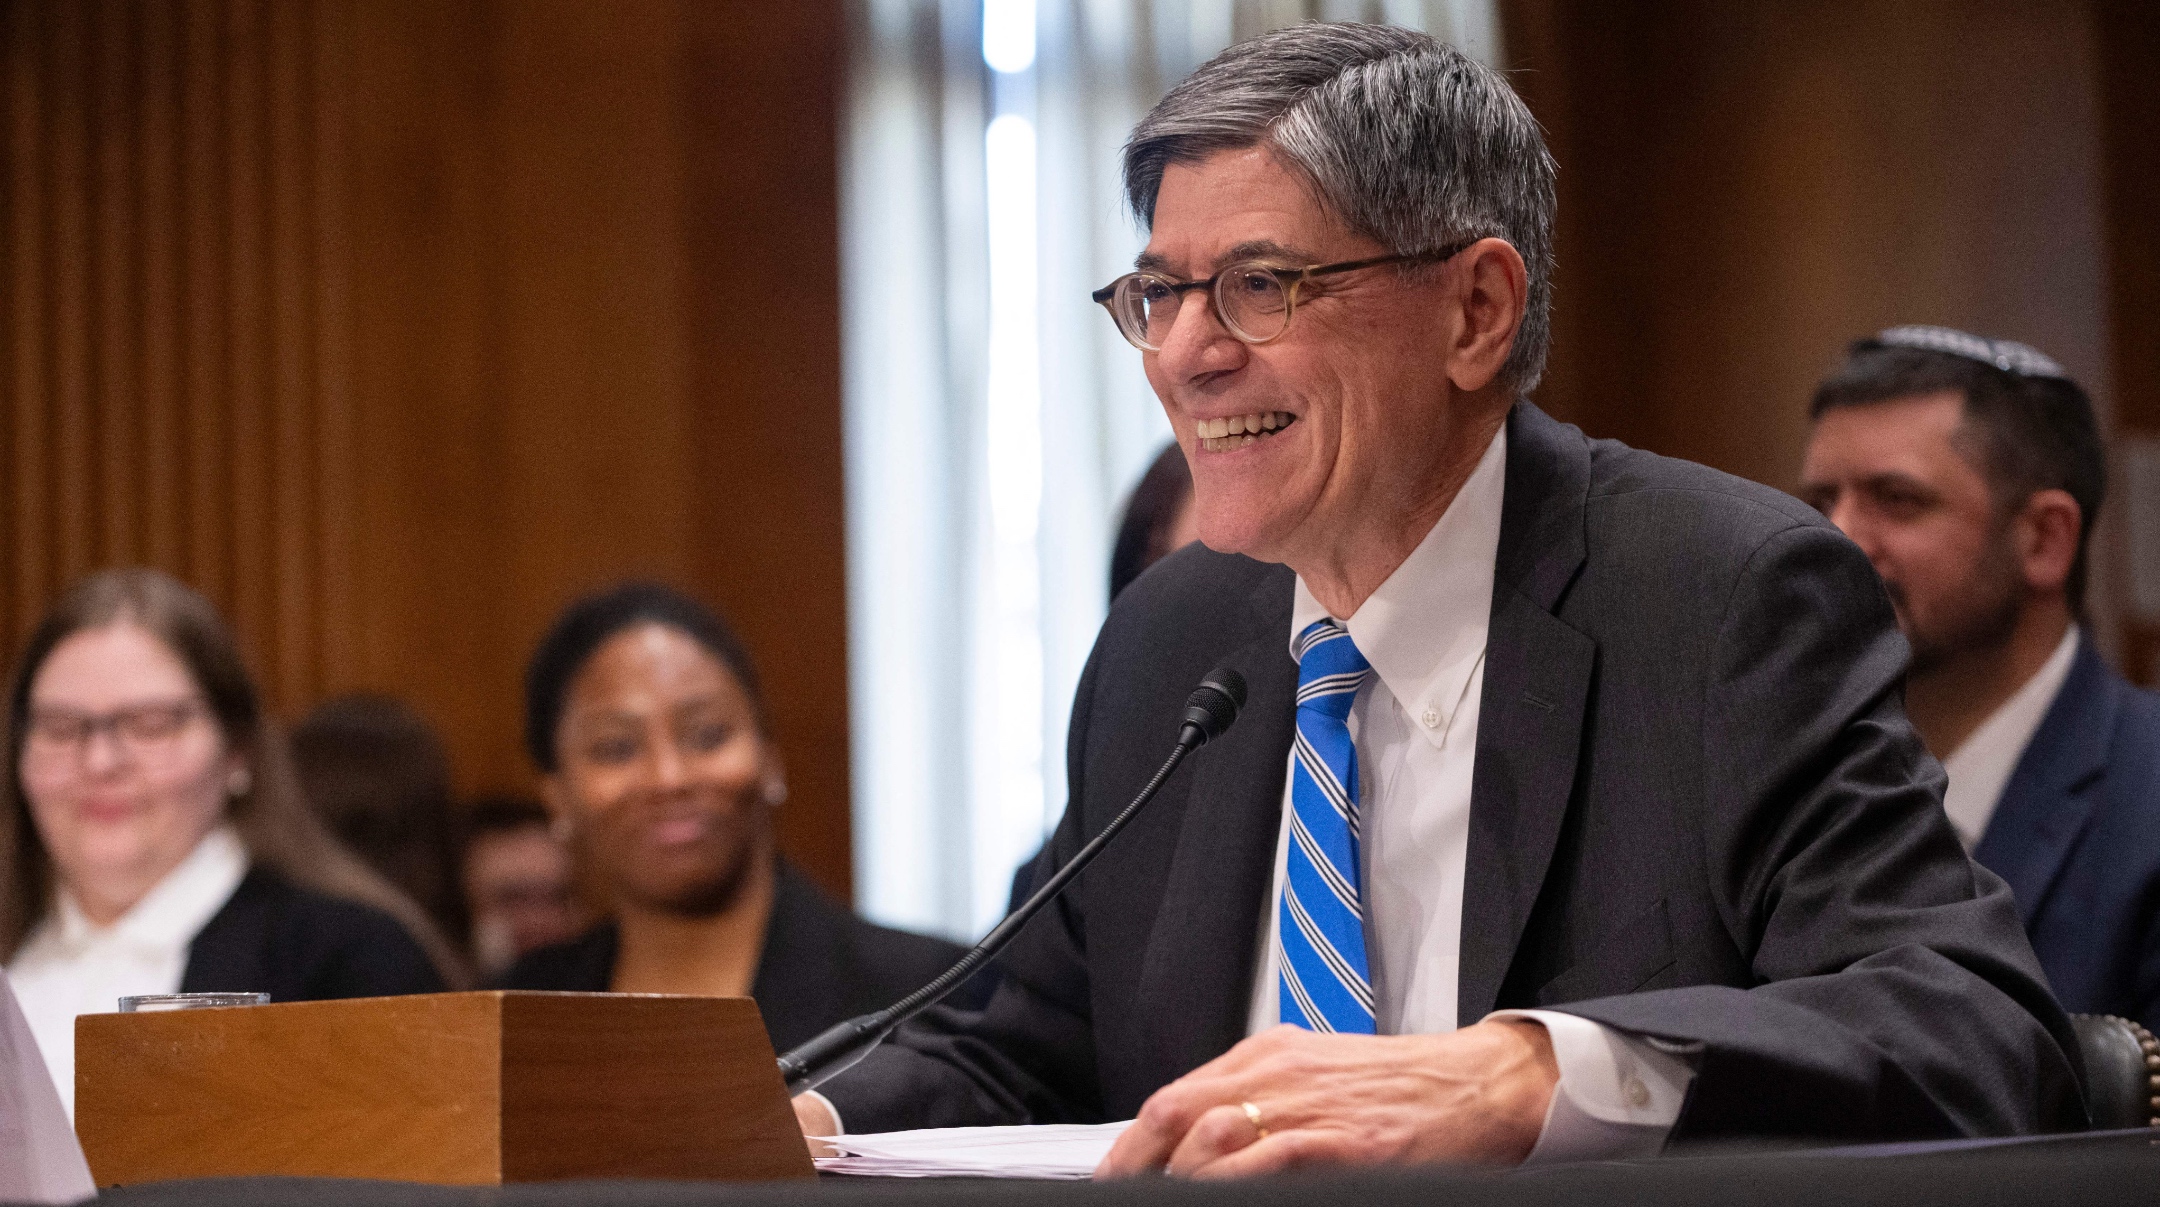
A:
(1477, 1096)
(816, 1119)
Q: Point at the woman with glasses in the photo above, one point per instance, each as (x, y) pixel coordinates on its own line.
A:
(154, 837)
(644, 717)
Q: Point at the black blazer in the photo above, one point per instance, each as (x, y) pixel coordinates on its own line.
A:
(2077, 836)
(298, 945)
(821, 964)
(1698, 813)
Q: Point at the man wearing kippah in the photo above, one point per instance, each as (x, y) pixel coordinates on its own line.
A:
(1969, 470)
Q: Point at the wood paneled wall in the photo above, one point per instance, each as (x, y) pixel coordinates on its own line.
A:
(1745, 188)
(394, 324)
(2129, 45)
(174, 344)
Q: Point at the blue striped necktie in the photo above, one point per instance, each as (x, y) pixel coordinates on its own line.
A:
(1320, 927)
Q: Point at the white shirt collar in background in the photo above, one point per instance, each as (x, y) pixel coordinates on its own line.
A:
(1982, 764)
(70, 966)
(170, 914)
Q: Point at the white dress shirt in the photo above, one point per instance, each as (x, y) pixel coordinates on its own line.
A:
(70, 966)
(1415, 723)
(1982, 764)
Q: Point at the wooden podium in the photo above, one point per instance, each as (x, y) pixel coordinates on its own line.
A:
(461, 1088)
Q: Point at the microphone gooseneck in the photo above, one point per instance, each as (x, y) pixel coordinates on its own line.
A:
(1208, 712)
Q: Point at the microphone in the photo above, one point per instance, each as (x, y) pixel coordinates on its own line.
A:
(1208, 712)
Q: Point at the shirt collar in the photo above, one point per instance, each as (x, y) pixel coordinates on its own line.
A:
(1981, 766)
(171, 913)
(1424, 629)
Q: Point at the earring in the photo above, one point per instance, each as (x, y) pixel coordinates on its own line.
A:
(562, 829)
(239, 783)
(775, 792)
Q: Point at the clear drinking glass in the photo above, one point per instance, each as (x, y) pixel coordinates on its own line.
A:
(145, 1003)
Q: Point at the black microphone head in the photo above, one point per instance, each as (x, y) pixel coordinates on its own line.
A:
(1213, 705)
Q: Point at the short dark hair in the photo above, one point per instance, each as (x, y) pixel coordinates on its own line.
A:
(501, 813)
(1145, 529)
(377, 774)
(2034, 432)
(588, 623)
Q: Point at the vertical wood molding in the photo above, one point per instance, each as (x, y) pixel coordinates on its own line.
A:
(391, 325)
(2129, 39)
(164, 267)
(2129, 48)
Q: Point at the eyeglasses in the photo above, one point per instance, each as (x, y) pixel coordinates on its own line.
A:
(140, 730)
(1254, 299)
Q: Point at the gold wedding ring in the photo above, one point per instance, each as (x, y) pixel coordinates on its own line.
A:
(1253, 1113)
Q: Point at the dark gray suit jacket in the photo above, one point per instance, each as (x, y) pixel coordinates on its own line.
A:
(1698, 813)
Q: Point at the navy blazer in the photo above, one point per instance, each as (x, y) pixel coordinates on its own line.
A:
(2077, 835)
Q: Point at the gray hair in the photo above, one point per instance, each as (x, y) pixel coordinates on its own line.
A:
(1407, 140)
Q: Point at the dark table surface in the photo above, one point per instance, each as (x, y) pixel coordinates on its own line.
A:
(2097, 1168)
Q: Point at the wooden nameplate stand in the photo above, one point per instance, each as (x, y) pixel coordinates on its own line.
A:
(458, 1088)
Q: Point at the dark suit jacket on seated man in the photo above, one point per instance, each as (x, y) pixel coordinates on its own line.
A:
(1609, 743)
(1965, 468)
(2076, 833)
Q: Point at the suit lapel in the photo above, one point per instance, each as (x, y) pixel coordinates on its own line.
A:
(2049, 799)
(1530, 715)
(1200, 954)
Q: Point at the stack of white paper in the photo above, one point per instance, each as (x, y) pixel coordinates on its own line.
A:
(1063, 1150)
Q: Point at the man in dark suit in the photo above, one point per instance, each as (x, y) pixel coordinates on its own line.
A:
(1573, 810)
(1967, 469)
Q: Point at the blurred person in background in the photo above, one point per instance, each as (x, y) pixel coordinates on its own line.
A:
(1158, 519)
(1969, 470)
(155, 839)
(520, 890)
(378, 776)
(644, 716)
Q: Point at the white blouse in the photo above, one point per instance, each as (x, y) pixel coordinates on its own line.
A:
(70, 966)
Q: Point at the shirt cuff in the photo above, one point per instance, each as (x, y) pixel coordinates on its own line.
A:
(839, 1124)
(1618, 1094)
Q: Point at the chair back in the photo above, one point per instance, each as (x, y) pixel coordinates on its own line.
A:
(2122, 1071)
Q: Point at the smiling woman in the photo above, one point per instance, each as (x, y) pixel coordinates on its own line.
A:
(154, 838)
(646, 720)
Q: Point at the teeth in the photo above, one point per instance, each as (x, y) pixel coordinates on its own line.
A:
(1243, 425)
(1237, 431)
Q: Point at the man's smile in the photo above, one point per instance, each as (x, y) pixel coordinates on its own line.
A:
(1237, 431)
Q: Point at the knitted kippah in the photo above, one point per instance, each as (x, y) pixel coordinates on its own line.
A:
(2010, 357)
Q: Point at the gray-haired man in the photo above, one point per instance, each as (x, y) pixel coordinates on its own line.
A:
(1574, 809)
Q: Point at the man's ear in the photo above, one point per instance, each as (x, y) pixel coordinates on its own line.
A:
(1494, 293)
(2048, 528)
